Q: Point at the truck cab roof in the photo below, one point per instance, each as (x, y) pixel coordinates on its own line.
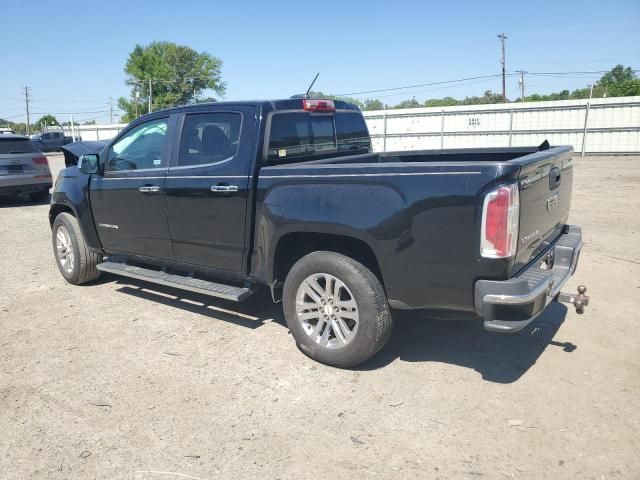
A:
(278, 104)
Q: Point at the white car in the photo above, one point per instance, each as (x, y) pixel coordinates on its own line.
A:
(23, 168)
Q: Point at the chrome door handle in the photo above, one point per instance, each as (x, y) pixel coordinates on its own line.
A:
(224, 188)
(149, 189)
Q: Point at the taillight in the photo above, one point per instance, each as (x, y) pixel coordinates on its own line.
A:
(318, 105)
(500, 218)
(40, 160)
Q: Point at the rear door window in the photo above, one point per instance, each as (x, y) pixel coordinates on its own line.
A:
(209, 138)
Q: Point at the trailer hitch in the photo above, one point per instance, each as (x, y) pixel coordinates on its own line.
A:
(579, 301)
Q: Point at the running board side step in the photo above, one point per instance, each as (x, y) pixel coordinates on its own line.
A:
(228, 292)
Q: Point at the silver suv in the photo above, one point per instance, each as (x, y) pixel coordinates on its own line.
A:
(23, 168)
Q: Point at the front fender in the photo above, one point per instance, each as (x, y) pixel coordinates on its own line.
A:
(71, 192)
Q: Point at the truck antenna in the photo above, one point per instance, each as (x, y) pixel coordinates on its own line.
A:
(311, 86)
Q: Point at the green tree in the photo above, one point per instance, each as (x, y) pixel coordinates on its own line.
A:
(368, 104)
(323, 96)
(44, 121)
(620, 82)
(205, 100)
(441, 102)
(178, 74)
(413, 103)
(373, 104)
(19, 128)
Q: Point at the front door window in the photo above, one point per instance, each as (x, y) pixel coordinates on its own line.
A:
(141, 148)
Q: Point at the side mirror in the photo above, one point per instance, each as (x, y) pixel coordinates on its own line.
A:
(88, 163)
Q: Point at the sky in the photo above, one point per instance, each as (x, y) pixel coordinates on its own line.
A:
(72, 55)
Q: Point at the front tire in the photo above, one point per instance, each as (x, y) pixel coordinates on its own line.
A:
(76, 262)
(336, 309)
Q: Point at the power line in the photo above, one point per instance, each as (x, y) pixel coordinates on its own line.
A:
(443, 87)
(560, 74)
(66, 100)
(79, 112)
(417, 86)
(116, 109)
(507, 74)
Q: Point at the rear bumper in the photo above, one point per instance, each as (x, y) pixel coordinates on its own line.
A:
(14, 184)
(510, 305)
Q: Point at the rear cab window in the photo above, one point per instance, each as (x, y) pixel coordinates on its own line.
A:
(296, 135)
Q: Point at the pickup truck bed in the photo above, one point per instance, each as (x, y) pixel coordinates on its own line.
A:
(421, 214)
(224, 198)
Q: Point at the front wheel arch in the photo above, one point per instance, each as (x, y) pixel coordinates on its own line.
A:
(58, 208)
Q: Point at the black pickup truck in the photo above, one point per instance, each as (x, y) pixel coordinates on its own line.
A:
(224, 198)
(50, 141)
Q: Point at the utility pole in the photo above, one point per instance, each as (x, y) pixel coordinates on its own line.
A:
(502, 38)
(521, 82)
(26, 100)
(110, 100)
(150, 95)
(586, 118)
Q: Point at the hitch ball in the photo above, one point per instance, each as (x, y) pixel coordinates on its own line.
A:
(582, 300)
(578, 301)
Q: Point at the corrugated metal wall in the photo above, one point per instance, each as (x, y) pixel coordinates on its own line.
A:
(613, 126)
(95, 132)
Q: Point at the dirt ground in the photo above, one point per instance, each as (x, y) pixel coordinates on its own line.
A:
(122, 379)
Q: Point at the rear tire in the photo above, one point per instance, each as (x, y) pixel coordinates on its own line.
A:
(76, 262)
(336, 309)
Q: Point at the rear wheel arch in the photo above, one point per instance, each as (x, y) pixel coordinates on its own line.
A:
(291, 247)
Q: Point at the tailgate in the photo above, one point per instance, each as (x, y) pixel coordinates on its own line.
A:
(545, 182)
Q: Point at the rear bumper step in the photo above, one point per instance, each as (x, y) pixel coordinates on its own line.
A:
(510, 305)
(227, 292)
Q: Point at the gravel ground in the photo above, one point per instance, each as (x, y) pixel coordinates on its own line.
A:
(121, 379)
